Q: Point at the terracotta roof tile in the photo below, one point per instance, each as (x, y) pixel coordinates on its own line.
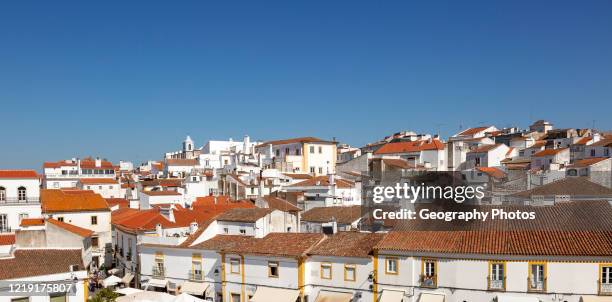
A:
(324, 181)
(39, 262)
(548, 152)
(244, 215)
(581, 163)
(276, 244)
(181, 162)
(32, 222)
(484, 148)
(348, 244)
(71, 201)
(472, 131)
(573, 186)
(280, 204)
(342, 214)
(95, 181)
(308, 139)
(71, 228)
(492, 171)
(160, 193)
(413, 146)
(18, 174)
(7, 239)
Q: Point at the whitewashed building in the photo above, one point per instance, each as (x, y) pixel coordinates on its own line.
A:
(19, 198)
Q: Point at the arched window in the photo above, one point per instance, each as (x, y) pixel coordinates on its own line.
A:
(21, 194)
(2, 194)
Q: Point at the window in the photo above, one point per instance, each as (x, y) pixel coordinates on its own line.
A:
(320, 170)
(428, 270)
(350, 272)
(297, 152)
(320, 149)
(391, 266)
(312, 169)
(477, 161)
(592, 152)
(287, 151)
(159, 268)
(4, 223)
(235, 266)
(605, 271)
(94, 220)
(21, 194)
(607, 152)
(196, 267)
(60, 219)
(225, 230)
(311, 149)
(537, 276)
(242, 232)
(23, 216)
(497, 277)
(273, 269)
(94, 242)
(235, 297)
(277, 152)
(2, 194)
(99, 187)
(326, 271)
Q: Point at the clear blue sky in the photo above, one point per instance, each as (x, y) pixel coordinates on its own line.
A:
(129, 79)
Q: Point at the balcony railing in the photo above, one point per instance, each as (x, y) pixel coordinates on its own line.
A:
(605, 288)
(159, 271)
(17, 200)
(51, 176)
(495, 284)
(5, 229)
(429, 281)
(536, 285)
(196, 276)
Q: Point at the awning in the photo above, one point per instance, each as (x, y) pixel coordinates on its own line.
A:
(157, 282)
(595, 299)
(505, 298)
(128, 291)
(325, 296)
(127, 278)
(111, 281)
(427, 297)
(391, 296)
(269, 294)
(194, 288)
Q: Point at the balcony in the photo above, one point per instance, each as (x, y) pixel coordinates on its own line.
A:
(605, 288)
(159, 272)
(5, 229)
(429, 281)
(17, 200)
(196, 276)
(536, 285)
(496, 284)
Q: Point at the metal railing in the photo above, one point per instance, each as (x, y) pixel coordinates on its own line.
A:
(158, 271)
(496, 284)
(429, 281)
(196, 276)
(536, 285)
(17, 200)
(604, 288)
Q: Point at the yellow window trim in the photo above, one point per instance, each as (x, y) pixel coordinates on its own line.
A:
(599, 281)
(270, 269)
(543, 263)
(330, 270)
(424, 273)
(232, 265)
(346, 267)
(503, 263)
(387, 259)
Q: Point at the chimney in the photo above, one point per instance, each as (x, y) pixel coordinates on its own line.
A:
(215, 199)
(193, 227)
(261, 183)
(98, 162)
(246, 143)
(270, 150)
(158, 230)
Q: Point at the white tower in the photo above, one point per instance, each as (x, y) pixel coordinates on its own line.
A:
(188, 144)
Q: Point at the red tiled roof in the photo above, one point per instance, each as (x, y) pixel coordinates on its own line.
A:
(71, 228)
(7, 239)
(244, 215)
(280, 204)
(484, 148)
(160, 193)
(472, 131)
(607, 142)
(121, 202)
(181, 162)
(583, 141)
(414, 146)
(298, 175)
(276, 244)
(587, 162)
(71, 201)
(18, 174)
(39, 262)
(348, 244)
(32, 222)
(58, 164)
(548, 152)
(493, 172)
(573, 186)
(342, 214)
(397, 162)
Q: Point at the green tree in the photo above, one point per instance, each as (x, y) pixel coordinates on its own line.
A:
(104, 295)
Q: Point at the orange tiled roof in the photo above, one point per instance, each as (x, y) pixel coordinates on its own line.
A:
(587, 162)
(32, 222)
(39, 262)
(472, 131)
(293, 244)
(607, 142)
(121, 202)
(244, 215)
(18, 174)
(415, 146)
(348, 244)
(71, 201)
(493, 172)
(181, 162)
(160, 193)
(548, 152)
(324, 181)
(308, 139)
(7, 239)
(71, 228)
(342, 214)
(485, 148)
(58, 164)
(583, 141)
(280, 204)
(397, 162)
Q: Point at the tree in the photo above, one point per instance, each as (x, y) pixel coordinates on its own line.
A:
(105, 295)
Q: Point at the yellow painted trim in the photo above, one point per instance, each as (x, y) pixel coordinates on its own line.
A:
(270, 269)
(331, 270)
(491, 262)
(529, 264)
(301, 277)
(195, 257)
(85, 290)
(599, 281)
(423, 272)
(242, 272)
(231, 262)
(305, 168)
(346, 266)
(375, 275)
(223, 277)
(387, 259)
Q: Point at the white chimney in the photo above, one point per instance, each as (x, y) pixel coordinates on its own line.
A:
(158, 230)
(270, 150)
(98, 162)
(246, 143)
(193, 227)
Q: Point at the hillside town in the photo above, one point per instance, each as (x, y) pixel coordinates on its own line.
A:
(283, 220)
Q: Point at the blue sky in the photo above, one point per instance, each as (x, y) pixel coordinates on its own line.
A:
(129, 79)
